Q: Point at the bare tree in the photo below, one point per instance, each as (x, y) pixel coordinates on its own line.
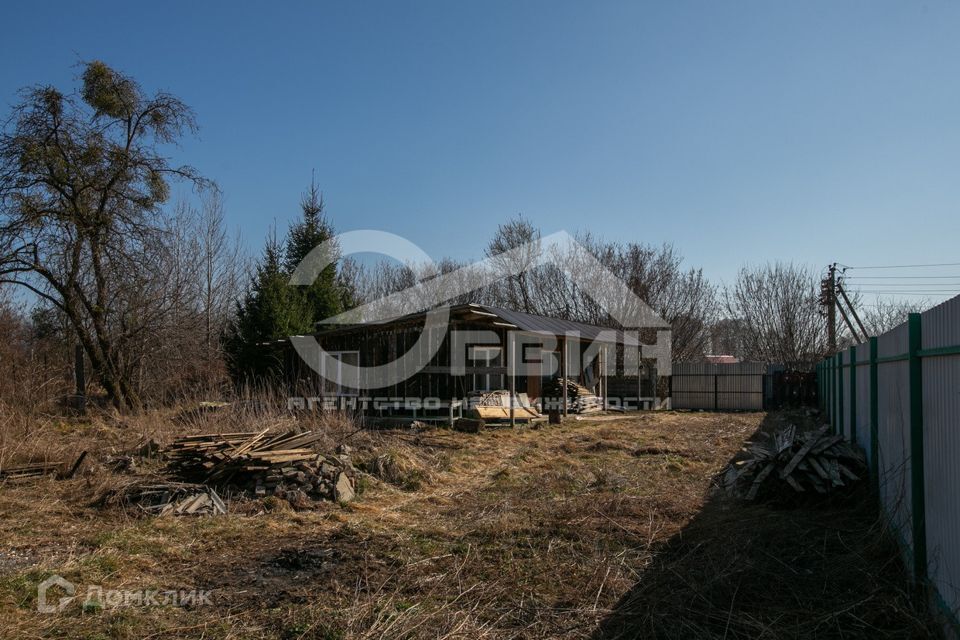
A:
(521, 274)
(514, 252)
(222, 272)
(728, 337)
(81, 183)
(185, 295)
(777, 306)
(887, 314)
(682, 297)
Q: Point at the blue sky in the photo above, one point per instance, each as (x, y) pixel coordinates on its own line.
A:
(739, 131)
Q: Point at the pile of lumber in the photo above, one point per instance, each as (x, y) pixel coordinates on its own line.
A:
(40, 469)
(170, 498)
(495, 406)
(30, 470)
(790, 463)
(280, 464)
(579, 398)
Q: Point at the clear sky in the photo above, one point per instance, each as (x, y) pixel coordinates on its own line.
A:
(739, 131)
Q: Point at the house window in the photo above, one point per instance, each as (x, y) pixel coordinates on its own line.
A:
(486, 357)
(337, 381)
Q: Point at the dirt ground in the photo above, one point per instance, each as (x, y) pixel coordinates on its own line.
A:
(602, 528)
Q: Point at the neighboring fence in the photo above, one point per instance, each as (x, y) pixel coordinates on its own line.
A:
(702, 385)
(898, 396)
(742, 386)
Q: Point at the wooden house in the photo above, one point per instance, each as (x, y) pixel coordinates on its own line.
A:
(450, 365)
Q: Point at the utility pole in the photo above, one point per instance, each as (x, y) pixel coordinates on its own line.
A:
(828, 299)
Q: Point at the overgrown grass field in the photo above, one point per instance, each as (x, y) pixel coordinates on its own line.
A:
(596, 528)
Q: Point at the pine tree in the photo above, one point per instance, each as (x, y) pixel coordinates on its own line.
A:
(324, 297)
(273, 309)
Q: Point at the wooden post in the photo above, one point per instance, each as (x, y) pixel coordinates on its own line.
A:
(512, 372)
(563, 372)
(641, 370)
(79, 372)
(80, 376)
(602, 357)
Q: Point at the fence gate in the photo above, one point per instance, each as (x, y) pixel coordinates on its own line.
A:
(702, 385)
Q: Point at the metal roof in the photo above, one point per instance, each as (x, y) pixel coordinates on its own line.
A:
(528, 322)
(558, 327)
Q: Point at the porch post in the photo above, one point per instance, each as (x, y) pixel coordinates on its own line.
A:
(563, 371)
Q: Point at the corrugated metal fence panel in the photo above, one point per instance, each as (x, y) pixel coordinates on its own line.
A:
(940, 396)
(863, 399)
(741, 391)
(893, 433)
(845, 381)
(698, 385)
(941, 449)
(692, 385)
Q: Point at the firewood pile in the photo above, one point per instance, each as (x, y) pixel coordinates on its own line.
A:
(579, 398)
(281, 464)
(789, 463)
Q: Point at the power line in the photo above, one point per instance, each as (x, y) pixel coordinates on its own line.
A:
(907, 266)
(912, 293)
(898, 277)
(896, 287)
(907, 285)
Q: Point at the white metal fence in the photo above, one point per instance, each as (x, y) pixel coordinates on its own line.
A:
(898, 396)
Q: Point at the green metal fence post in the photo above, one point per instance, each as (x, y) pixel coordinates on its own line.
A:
(874, 415)
(853, 394)
(918, 497)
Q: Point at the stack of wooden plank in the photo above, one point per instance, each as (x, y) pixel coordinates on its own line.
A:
(264, 463)
(40, 469)
(30, 470)
(579, 398)
(814, 461)
(495, 406)
(221, 457)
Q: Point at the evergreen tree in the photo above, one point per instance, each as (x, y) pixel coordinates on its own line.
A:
(273, 309)
(323, 298)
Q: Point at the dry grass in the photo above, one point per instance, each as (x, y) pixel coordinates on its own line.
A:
(573, 531)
